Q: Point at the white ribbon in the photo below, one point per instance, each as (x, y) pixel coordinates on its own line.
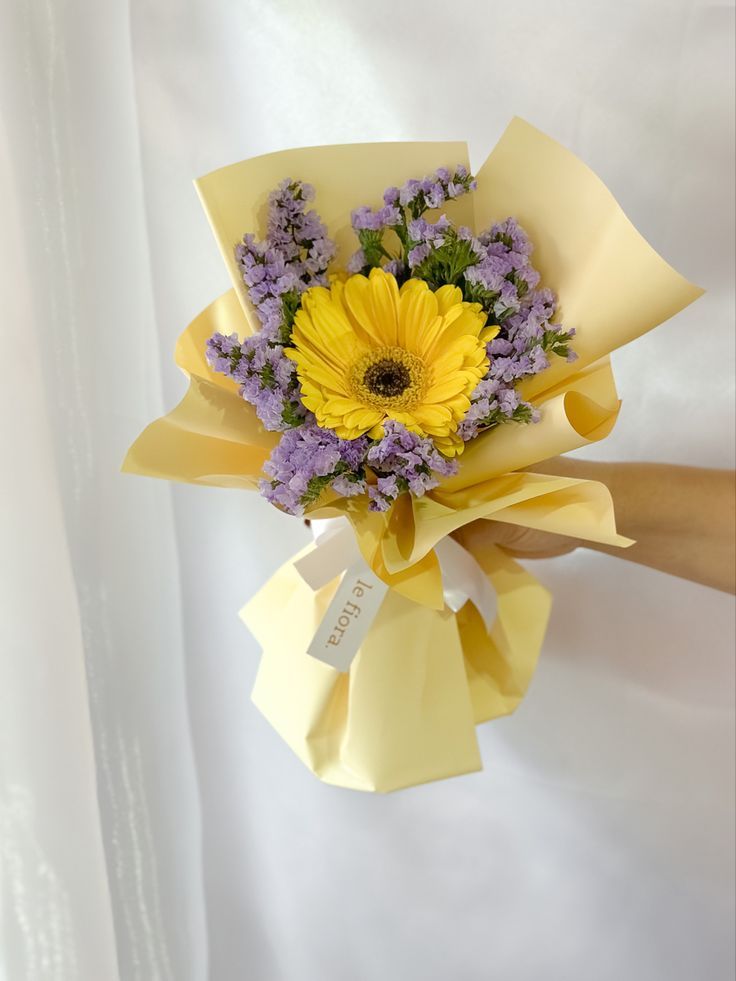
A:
(360, 593)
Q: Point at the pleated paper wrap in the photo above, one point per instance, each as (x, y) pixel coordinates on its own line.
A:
(406, 711)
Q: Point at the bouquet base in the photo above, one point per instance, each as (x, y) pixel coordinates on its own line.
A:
(406, 712)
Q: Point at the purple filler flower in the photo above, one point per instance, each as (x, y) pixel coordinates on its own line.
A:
(306, 461)
(267, 378)
(402, 460)
(294, 255)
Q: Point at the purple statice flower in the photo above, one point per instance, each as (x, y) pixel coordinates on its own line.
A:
(309, 460)
(431, 233)
(435, 195)
(505, 282)
(492, 402)
(402, 211)
(465, 234)
(403, 461)
(409, 192)
(489, 273)
(365, 219)
(434, 191)
(223, 352)
(306, 461)
(396, 268)
(294, 256)
(442, 251)
(357, 261)
(266, 377)
(383, 493)
(511, 234)
(391, 196)
(418, 254)
(504, 267)
(348, 486)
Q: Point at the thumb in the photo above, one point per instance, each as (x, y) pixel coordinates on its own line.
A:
(480, 534)
(518, 540)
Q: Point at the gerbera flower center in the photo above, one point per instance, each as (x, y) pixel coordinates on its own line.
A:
(389, 376)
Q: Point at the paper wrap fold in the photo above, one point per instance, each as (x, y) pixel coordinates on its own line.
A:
(425, 676)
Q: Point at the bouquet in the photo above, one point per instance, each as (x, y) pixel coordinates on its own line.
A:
(390, 364)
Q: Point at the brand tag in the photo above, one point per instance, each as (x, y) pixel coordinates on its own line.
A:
(349, 617)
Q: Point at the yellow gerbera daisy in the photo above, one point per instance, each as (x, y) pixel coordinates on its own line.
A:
(367, 351)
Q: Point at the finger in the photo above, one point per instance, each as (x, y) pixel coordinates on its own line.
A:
(480, 534)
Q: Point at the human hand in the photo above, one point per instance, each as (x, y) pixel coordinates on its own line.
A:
(681, 519)
(518, 541)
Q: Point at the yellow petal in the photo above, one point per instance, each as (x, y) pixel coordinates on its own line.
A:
(447, 389)
(488, 333)
(428, 336)
(448, 363)
(450, 445)
(361, 419)
(357, 300)
(448, 297)
(417, 312)
(340, 406)
(322, 374)
(384, 297)
(432, 415)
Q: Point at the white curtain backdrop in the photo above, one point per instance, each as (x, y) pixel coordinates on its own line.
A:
(152, 826)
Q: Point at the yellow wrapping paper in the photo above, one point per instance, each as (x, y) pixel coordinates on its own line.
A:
(424, 677)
